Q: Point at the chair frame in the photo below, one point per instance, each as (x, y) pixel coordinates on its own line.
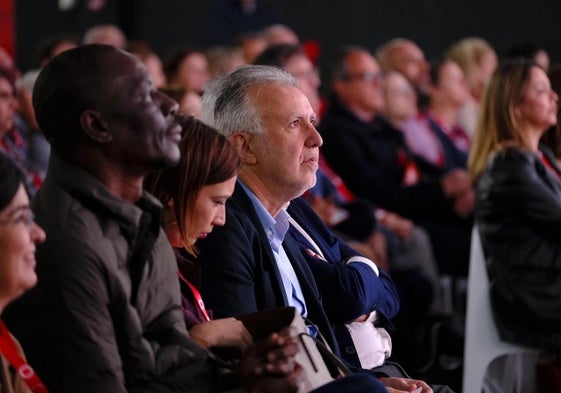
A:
(482, 342)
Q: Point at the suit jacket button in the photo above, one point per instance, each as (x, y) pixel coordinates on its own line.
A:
(350, 349)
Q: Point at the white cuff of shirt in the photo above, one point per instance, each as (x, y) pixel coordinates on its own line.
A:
(359, 259)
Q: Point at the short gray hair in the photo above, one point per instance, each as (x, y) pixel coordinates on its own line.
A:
(225, 102)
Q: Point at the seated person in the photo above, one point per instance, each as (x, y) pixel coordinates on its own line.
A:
(398, 247)
(448, 92)
(106, 313)
(18, 236)
(194, 194)
(12, 142)
(349, 217)
(254, 262)
(518, 208)
(202, 182)
(375, 163)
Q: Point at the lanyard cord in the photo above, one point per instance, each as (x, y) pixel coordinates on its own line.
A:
(10, 352)
(197, 295)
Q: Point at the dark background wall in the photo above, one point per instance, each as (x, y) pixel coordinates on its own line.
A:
(433, 24)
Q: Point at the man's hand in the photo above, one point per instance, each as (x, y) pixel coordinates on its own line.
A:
(269, 366)
(223, 332)
(399, 385)
(399, 225)
(464, 204)
(325, 208)
(455, 183)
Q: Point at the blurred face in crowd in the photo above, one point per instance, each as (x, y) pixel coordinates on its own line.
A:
(451, 87)
(281, 34)
(107, 35)
(362, 87)
(7, 106)
(252, 46)
(308, 79)
(410, 60)
(18, 236)
(154, 67)
(401, 99)
(193, 72)
(483, 74)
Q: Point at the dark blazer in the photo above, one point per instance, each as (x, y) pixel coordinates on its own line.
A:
(348, 290)
(239, 274)
(518, 214)
(359, 290)
(371, 158)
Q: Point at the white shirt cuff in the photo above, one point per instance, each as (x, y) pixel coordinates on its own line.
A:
(360, 259)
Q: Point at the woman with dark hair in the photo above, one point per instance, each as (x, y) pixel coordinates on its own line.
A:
(18, 236)
(194, 194)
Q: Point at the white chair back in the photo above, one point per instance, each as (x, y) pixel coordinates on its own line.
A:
(482, 343)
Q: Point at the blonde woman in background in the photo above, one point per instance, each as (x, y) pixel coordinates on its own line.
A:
(518, 215)
(477, 59)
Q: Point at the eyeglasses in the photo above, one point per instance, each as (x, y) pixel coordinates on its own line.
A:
(20, 215)
(366, 76)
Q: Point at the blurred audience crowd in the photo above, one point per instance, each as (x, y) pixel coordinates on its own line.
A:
(395, 134)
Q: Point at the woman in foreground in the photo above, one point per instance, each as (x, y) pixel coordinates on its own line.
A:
(18, 236)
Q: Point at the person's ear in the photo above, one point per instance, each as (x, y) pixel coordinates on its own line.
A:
(170, 207)
(242, 141)
(169, 212)
(95, 126)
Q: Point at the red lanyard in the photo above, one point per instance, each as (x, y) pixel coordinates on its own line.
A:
(548, 164)
(10, 351)
(198, 298)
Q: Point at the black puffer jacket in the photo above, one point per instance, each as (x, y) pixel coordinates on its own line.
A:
(518, 213)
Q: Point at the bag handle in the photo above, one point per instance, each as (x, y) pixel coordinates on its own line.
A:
(326, 351)
(338, 363)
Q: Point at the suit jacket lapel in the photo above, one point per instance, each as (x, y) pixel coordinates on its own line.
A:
(307, 282)
(316, 312)
(243, 203)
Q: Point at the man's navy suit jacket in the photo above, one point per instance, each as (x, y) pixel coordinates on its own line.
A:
(239, 273)
(348, 291)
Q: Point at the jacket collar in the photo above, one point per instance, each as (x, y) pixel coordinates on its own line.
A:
(86, 188)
